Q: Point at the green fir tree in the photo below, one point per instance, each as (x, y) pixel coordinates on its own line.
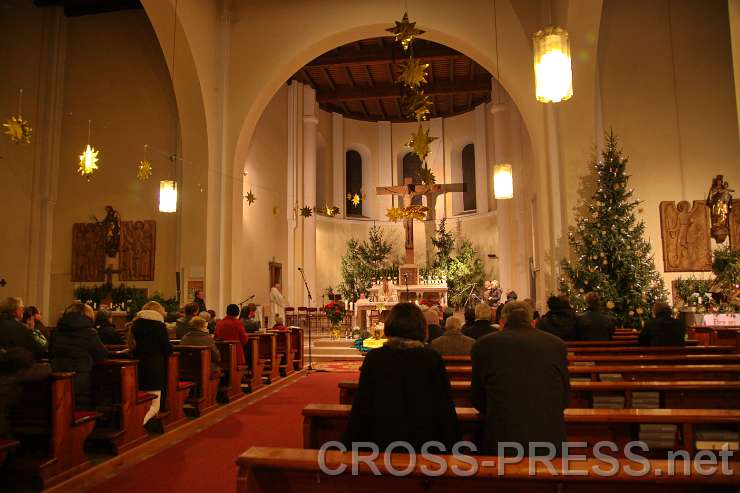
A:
(609, 253)
(364, 261)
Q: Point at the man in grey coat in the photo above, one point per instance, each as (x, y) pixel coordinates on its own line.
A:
(520, 383)
(453, 342)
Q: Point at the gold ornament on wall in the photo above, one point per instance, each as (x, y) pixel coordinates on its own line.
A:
(413, 73)
(420, 143)
(16, 127)
(306, 212)
(405, 31)
(275, 210)
(250, 197)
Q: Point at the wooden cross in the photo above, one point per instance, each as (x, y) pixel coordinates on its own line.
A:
(109, 271)
(408, 191)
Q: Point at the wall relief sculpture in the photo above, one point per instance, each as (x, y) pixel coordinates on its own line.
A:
(685, 231)
(88, 252)
(138, 247)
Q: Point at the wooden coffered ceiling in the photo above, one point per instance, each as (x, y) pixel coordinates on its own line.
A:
(358, 79)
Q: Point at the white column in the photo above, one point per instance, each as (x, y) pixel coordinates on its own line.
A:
(556, 200)
(310, 122)
(504, 208)
(291, 192)
(481, 160)
(337, 162)
(385, 167)
(46, 159)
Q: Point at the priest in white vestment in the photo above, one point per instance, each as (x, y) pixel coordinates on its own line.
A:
(277, 304)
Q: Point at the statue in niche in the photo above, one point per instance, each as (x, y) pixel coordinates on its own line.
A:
(719, 199)
(138, 247)
(88, 252)
(685, 235)
(735, 224)
(111, 225)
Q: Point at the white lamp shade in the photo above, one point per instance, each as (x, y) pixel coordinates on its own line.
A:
(167, 196)
(503, 181)
(552, 65)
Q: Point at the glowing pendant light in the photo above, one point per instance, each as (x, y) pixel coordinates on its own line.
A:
(552, 65)
(503, 182)
(167, 196)
(89, 157)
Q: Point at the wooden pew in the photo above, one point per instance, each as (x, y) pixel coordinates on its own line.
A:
(176, 394)
(326, 422)
(268, 353)
(115, 394)
(297, 342)
(51, 433)
(285, 351)
(255, 364)
(195, 366)
(679, 394)
(279, 470)
(230, 387)
(6, 447)
(689, 358)
(721, 335)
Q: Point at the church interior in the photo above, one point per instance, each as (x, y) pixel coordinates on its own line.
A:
(272, 185)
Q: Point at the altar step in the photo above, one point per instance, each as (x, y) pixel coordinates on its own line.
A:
(329, 350)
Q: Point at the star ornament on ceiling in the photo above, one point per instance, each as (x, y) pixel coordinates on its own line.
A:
(250, 198)
(413, 73)
(405, 31)
(88, 162)
(18, 129)
(306, 212)
(420, 142)
(144, 170)
(417, 106)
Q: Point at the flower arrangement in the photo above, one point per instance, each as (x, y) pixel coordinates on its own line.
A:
(335, 312)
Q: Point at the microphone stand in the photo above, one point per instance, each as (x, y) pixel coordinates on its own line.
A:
(242, 302)
(310, 302)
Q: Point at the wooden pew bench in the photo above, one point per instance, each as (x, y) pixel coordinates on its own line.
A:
(297, 342)
(285, 351)
(195, 367)
(6, 447)
(268, 353)
(327, 422)
(115, 394)
(639, 358)
(255, 364)
(230, 387)
(279, 470)
(50, 432)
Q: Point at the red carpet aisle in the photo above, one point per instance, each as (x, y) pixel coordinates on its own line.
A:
(205, 461)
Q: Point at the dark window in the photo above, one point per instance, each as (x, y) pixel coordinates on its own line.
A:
(411, 166)
(353, 184)
(468, 173)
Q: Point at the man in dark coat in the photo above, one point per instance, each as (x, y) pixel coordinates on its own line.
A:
(75, 346)
(13, 333)
(663, 329)
(594, 324)
(482, 325)
(198, 300)
(560, 319)
(520, 383)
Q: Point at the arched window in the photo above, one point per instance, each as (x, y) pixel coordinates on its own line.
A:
(353, 183)
(468, 177)
(411, 166)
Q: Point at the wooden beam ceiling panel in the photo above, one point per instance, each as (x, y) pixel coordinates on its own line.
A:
(392, 91)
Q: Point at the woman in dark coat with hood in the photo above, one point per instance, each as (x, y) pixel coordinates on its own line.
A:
(151, 346)
(404, 391)
(560, 320)
(75, 346)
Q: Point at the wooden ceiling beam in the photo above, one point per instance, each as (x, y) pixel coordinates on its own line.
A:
(391, 91)
(309, 79)
(349, 76)
(369, 76)
(327, 76)
(380, 57)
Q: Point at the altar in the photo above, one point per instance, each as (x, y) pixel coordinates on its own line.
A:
(413, 292)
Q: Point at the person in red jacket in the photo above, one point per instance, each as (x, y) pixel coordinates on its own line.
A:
(231, 328)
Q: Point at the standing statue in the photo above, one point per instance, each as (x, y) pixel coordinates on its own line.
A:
(719, 200)
(111, 224)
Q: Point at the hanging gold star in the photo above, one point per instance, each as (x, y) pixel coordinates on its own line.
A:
(306, 211)
(420, 142)
(88, 162)
(405, 31)
(250, 197)
(18, 130)
(275, 210)
(394, 214)
(144, 170)
(416, 106)
(355, 200)
(426, 175)
(413, 73)
(334, 210)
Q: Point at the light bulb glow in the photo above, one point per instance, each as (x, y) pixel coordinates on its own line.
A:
(88, 161)
(552, 65)
(167, 196)
(503, 181)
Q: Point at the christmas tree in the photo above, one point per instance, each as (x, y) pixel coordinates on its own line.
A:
(608, 251)
(364, 261)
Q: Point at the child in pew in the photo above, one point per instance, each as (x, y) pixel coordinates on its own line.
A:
(199, 336)
(151, 346)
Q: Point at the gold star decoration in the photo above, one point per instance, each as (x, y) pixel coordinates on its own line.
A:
(420, 143)
(426, 175)
(405, 31)
(417, 105)
(18, 129)
(144, 170)
(413, 73)
(331, 211)
(394, 214)
(275, 210)
(250, 197)
(306, 211)
(88, 162)
(355, 200)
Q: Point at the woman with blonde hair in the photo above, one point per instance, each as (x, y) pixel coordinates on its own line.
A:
(151, 347)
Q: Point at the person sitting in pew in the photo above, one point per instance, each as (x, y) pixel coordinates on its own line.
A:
(106, 329)
(453, 342)
(232, 329)
(248, 316)
(13, 333)
(520, 383)
(199, 336)
(183, 324)
(32, 318)
(469, 315)
(404, 392)
(75, 346)
(594, 324)
(662, 329)
(431, 316)
(560, 319)
(482, 325)
(279, 325)
(152, 347)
